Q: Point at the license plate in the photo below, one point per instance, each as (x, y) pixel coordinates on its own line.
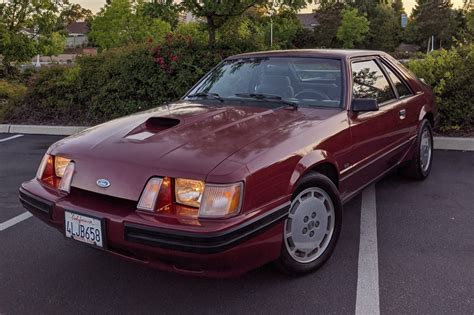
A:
(83, 228)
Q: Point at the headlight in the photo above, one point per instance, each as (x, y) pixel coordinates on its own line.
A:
(60, 165)
(212, 200)
(221, 200)
(189, 192)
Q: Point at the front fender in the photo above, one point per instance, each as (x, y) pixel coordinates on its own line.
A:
(308, 163)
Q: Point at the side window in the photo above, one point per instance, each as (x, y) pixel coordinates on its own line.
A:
(370, 82)
(402, 89)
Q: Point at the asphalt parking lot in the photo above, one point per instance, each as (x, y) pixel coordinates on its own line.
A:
(424, 256)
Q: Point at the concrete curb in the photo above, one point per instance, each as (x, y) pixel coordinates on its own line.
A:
(42, 130)
(440, 143)
(448, 143)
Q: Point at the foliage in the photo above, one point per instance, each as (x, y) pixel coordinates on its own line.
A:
(434, 18)
(120, 23)
(353, 28)
(17, 45)
(384, 20)
(73, 12)
(285, 28)
(116, 82)
(329, 18)
(52, 45)
(451, 74)
(218, 13)
(305, 38)
(242, 34)
(195, 30)
(165, 10)
(9, 93)
(11, 90)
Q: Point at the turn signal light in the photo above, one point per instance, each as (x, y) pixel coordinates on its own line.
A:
(65, 183)
(150, 194)
(46, 172)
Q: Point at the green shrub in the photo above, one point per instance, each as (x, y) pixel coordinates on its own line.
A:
(451, 74)
(115, 83)
(10, 93)
(131, 79)
(49, 100)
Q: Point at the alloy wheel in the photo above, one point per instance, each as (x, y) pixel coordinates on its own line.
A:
(310, 225)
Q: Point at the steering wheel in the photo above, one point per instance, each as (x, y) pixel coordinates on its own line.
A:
(312, 94)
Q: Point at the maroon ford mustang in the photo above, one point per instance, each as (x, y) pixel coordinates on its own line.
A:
(253, 165)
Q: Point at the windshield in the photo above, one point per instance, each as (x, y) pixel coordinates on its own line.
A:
(300, 81)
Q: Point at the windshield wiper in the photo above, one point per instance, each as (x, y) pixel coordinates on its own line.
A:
(268, 97)
(207, 95)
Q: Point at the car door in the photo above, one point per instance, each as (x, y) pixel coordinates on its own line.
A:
(375, 135)
(410, 104)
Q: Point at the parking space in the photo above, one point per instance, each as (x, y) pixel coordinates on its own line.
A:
(425, 256)
(426, 239)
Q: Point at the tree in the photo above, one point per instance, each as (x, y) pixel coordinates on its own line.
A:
(165, 10)
(329, 18)
(52, 45)
(397, 6)
(470, 19)
(17, 44)
(434, 18)
(385, 31)
(353, 28)
(217, 13)
(120, 23)
(72, 13)
(242, 33)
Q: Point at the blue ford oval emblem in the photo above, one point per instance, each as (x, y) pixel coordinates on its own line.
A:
(103, 183)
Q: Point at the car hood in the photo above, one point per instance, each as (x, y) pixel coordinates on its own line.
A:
(184, 139)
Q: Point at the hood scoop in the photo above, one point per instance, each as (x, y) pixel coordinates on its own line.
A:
(150, 127)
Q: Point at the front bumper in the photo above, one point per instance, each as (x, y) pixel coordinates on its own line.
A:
(220, 248)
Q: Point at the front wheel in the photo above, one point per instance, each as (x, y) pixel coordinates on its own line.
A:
(313, 225)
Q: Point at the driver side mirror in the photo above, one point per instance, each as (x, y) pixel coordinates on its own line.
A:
(364, 105)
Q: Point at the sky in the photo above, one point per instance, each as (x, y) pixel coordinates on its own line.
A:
(95, 5)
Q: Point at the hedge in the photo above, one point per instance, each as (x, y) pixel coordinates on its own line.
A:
(451, 74)
(114, 83)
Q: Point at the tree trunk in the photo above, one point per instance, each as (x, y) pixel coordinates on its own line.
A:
(211, 29)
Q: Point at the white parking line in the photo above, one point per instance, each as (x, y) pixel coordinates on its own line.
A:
(367, 301)
(10, 138)
(5, 225)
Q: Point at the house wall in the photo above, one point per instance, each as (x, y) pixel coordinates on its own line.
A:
(76, 40)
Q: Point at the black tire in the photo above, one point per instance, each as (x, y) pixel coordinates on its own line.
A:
(414, 168)
(286, 262)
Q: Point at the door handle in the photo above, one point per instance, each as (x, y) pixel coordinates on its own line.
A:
(403, 113)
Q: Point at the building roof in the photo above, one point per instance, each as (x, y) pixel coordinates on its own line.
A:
(77, 28)
(308, 20)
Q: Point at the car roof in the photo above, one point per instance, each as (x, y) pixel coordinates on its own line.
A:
(324, 53)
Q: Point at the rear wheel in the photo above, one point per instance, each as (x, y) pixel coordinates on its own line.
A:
(420, 166)
(313, 225)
